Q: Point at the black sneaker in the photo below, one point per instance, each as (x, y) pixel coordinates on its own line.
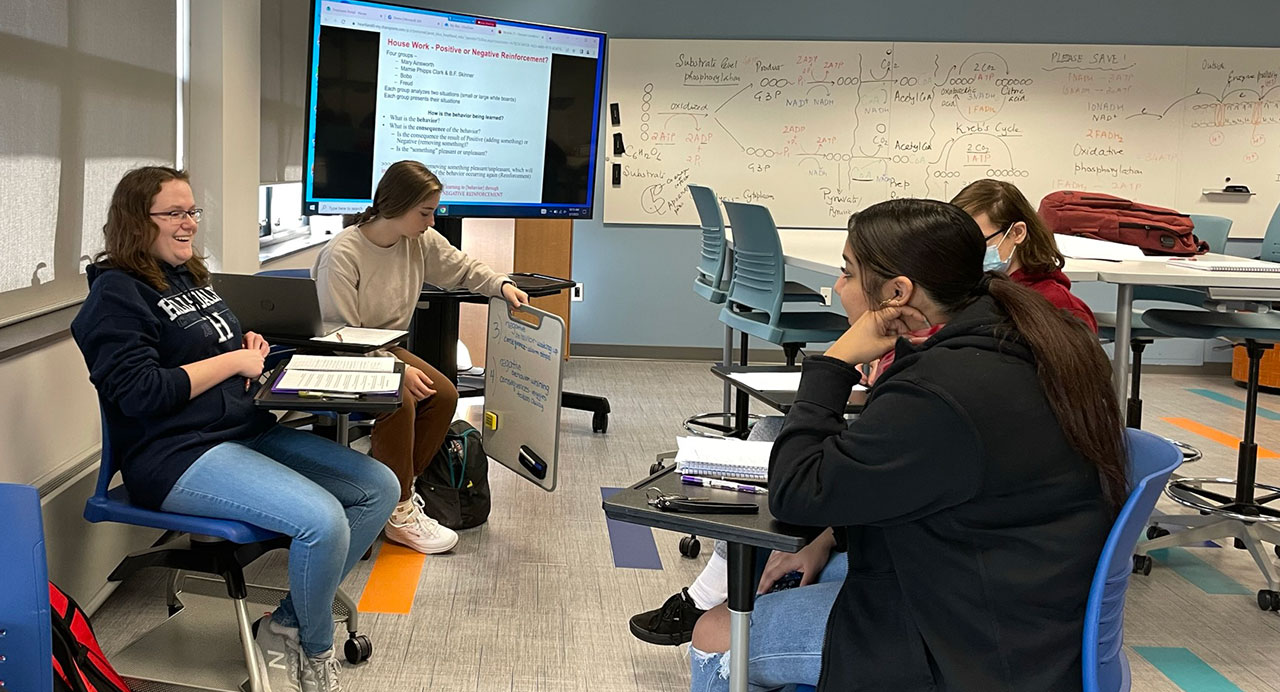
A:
(670, 625)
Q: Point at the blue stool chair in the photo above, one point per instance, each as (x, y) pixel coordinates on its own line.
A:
(712, 283)
(25, 632)
(1271, 239)
(754, 304)
(216, 547)
(1228, 507)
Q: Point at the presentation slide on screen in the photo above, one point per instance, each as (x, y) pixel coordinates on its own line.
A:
(468, 97)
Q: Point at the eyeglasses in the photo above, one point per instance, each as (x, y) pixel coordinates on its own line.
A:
(176, 216)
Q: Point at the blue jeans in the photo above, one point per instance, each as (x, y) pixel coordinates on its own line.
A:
(787, 630)
(332, 501)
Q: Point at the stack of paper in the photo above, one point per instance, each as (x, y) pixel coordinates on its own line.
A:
(726, 458)
(362, 336)
(1080, 247)
(346, 374)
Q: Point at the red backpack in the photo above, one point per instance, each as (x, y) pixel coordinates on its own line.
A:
(78, 663)
(1158, 231)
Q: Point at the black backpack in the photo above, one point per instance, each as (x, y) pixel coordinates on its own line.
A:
(455, 487)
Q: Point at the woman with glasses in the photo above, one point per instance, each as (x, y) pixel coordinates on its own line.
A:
(176, 380)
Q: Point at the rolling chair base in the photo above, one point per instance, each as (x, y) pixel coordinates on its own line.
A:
(1251, 525)
(705, 425)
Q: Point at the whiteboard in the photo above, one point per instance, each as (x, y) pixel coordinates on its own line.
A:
(816, 130)
(522, 391)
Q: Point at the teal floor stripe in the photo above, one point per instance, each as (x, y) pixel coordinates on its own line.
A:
(1186, 669)
(1234, 402)
(1199, 572)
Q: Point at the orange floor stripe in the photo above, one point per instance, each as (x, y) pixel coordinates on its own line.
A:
(393, 581)
(1217, 436)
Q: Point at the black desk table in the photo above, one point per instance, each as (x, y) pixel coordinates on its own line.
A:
(433, 337)
(370, 403)
(336, 347)
(743, 532)
(780, 400)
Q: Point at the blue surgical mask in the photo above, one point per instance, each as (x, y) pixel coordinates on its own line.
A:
(991, 260)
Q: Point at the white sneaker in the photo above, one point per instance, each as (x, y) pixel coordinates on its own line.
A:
(420, 532)
(320, 674)
(280, 656)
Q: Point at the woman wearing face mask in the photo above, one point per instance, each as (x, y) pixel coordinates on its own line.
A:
(1019, 244)
(969, 556)
(370, 275)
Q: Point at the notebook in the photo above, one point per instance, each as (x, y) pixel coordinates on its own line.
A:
(341, 374)
(363, 336)
(724, 458)
(1212, 266)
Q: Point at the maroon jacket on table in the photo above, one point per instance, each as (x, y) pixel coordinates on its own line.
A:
(1056, 288)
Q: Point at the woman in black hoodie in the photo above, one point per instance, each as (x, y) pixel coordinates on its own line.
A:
(176, 380)
(973, 494)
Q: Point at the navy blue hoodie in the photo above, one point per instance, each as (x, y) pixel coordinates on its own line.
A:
(134, 340)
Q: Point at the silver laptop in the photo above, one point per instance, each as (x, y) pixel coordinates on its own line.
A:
(280, 306)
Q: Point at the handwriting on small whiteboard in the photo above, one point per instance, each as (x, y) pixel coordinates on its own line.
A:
(511, 374)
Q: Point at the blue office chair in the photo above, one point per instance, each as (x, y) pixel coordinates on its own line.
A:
(1152, 459)
(1240, 507)
(754, 304)
(712, 283)
(1214, 231)
(1271, 239)
(25, 632)
(217, 547)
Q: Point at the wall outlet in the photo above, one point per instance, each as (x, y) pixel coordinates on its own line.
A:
(826, 295)
(576, 294)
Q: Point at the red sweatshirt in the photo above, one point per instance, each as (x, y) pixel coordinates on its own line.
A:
(1056, 288)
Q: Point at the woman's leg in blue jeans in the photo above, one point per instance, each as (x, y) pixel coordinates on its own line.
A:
(787, 631)
(330, 500)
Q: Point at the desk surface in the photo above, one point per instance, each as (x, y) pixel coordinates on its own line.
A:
(761, 530)
(311, 344)
(536, 285)
(372, 403)
(820, 251)
(780, 400)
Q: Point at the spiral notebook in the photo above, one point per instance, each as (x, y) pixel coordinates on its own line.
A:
(724, 458)
(1211, 266)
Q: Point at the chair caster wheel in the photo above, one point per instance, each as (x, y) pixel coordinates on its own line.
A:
(1269, 600)
(655, 467)
(1142, 564)
(1239, 544)
(1154, 532)
(175, 609)
(1277, 550)
(690, 546)
(358, 649)
(600, 422)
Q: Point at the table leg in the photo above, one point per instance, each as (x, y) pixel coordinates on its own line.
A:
(1124, 323)
(344, 429)
(742, 559)
(726, 358)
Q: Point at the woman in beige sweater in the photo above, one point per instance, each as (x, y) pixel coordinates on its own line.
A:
(370, 275)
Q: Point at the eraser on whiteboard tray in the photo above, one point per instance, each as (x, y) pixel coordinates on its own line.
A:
(615, 115)
(618, 148)
(616, 174)
(1236, 188)
(533, 463)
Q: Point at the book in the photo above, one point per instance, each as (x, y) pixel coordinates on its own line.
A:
(723, 458)
(339, 374)
(1255, 267)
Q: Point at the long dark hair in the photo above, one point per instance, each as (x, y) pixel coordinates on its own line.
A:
(130, 230)
(405, 185)
(939, 247)
(1005, 205)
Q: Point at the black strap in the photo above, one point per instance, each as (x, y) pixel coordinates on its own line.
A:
(701, 506)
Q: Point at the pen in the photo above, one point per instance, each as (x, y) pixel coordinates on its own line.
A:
(724, 485)
(328, 395)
